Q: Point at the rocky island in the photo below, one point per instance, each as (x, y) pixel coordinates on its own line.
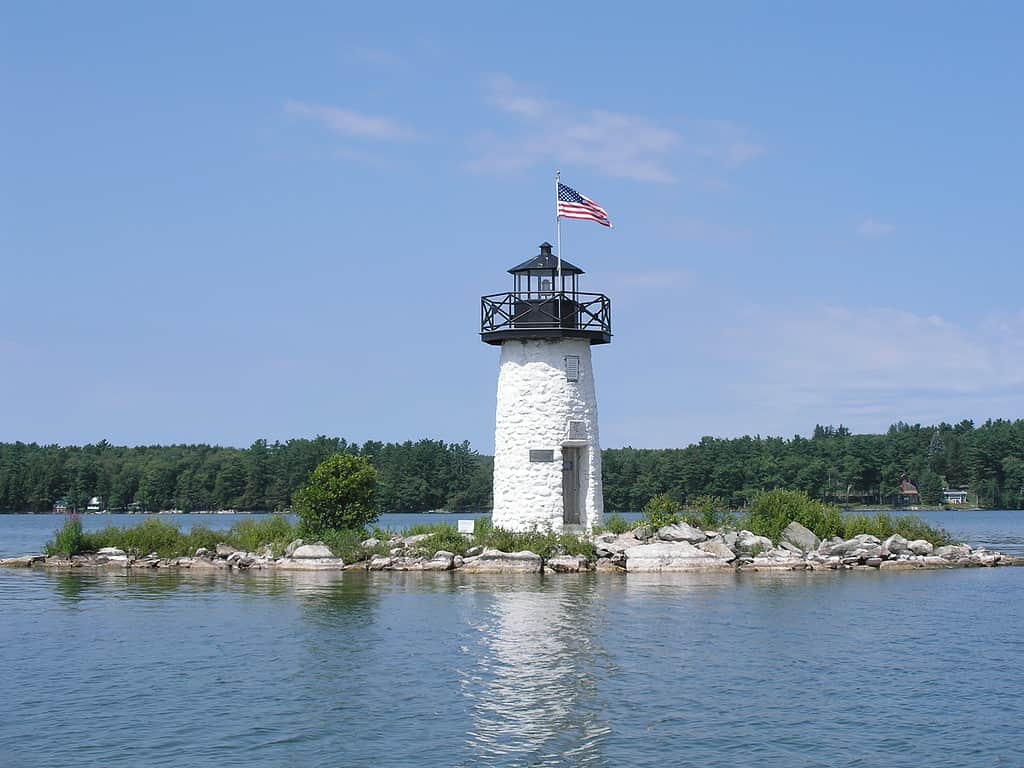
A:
(678, 547)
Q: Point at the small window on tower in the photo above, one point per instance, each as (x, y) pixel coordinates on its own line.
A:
(572, 367)
(577, 430)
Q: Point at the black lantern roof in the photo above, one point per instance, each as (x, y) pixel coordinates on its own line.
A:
(546, 260)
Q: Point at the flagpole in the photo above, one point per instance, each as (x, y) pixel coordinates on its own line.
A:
(558, 246)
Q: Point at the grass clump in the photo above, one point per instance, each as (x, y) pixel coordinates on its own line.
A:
(252, 535)
(545, 543)
(661, 510)
(771, 511)
(708, 512)
(617, 524)
(69, 540)
(884, 525)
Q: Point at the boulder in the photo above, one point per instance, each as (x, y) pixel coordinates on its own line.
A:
(717, 548)
(800, 537)
(310, 564)
(317, 551)
(567, 563)
(605, 565)
(110, 552)
(412, 541)
(953, 551)
(920, 547)
(671, 556)
(474, 551)
(223, 550)
(749, 543)
(496, 561)
(895, 544)
(845, 547)
(21, 562)
(790, 547)
(441, 561)
(369, 543)
(380, 562)
(290, 549)
(682, 532)
(608, 545)
(642, 533)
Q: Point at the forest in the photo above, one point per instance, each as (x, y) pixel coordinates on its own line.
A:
(832, 464)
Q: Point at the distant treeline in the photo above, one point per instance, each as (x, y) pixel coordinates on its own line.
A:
(413, 477)
(833, 465)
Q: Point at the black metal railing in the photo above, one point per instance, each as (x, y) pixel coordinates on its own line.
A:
(589, 312)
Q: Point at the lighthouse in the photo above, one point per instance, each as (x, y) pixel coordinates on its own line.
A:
(547, 454)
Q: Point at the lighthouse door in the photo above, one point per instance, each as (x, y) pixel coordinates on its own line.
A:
(571, 486)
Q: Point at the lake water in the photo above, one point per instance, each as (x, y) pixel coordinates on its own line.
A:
(444, 669)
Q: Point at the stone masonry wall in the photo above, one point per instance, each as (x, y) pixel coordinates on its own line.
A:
(535, 404)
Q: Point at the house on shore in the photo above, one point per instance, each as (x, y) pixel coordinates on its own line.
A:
(954, 496)
(907, 493)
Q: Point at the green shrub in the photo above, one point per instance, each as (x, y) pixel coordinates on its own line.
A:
(708, 512)
(252, 535)
(338, 496)
(660, 511)
(617, 524)
(884, 525)
(69, 540)
(345, 543)
(448, 539)
(771, 511)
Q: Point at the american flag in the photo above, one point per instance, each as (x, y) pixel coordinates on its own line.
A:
(572, 205)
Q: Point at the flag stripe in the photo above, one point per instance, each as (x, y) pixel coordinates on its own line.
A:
(570, 204)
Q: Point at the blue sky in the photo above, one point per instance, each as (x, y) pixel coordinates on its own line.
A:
(227, 221)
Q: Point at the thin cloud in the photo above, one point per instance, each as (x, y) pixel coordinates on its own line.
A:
(347, 122)
(617, 144)
(871, 227)
(874, 366)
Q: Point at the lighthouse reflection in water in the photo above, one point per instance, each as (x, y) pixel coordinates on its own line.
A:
(531, 681)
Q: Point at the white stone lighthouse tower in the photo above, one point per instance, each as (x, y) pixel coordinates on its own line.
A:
(547, 455)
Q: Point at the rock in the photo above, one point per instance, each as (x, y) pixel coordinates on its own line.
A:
(223, 550)
(310, 564)
(396, 551)
(790, 547)
(567, 564)
(730, 538)
(897, 565)
(312, 552)
(717, 548)
(110, 552)
(21, 562)
(750, 543)
(290, 549)
(441, 561)
(985, 558)
(895, 544)
(845, 547)
(800, 537)
(608, 547)
(874, 562)
(457, 561)
(496, 561)
(474, 551)
(370, 543)
(266, 552)
(643, 533)
(203, 552)
(953, 551)
(682, 532)
(412, 541)
(671, 556)
(380, 562)
(920, 547)
(605, 565)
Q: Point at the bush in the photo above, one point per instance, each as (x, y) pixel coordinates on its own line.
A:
(69, 540)
(338, 496)
(660, 511)
(251, 535)
(448, 539)
(616, 523)
(884, 525)
(708, 512)
(771, 511)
